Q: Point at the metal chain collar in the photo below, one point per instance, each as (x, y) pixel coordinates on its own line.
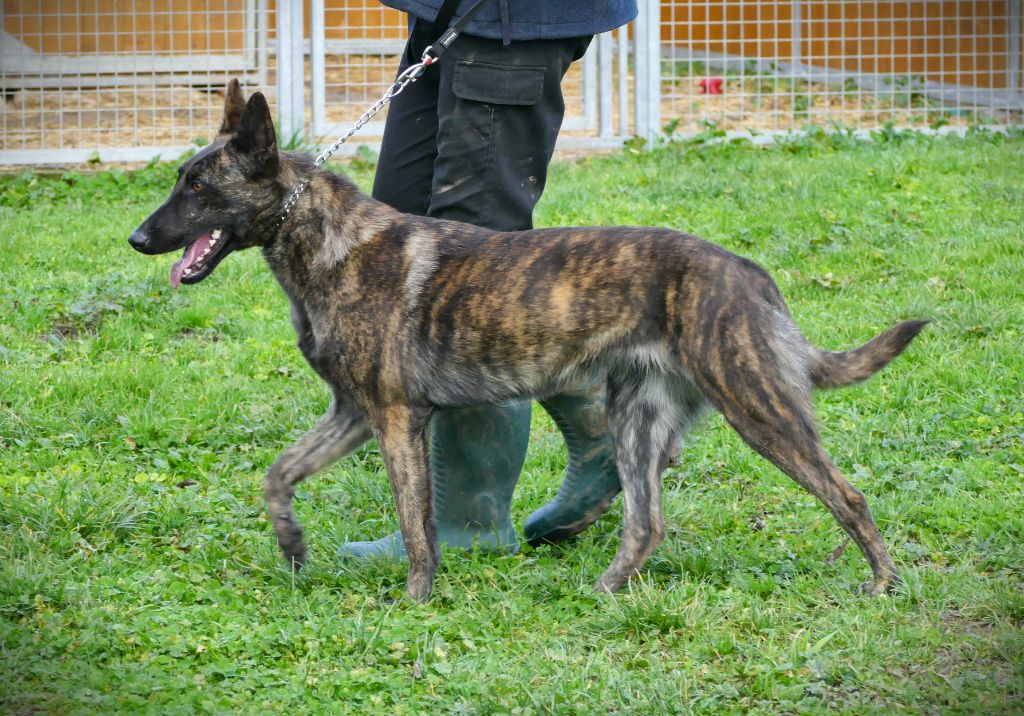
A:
(407, 77)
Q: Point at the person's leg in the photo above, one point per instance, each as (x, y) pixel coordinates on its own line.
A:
(405, 167)
(500, 108)
(496, 134)
(591, 479)
(476, 453)
(476, 456)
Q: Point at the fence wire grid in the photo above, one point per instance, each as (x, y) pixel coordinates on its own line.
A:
(125, 80)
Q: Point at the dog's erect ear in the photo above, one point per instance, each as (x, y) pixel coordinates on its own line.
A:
(255, 137)
(234, 105)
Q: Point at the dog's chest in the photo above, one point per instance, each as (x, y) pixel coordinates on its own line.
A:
(307, 340)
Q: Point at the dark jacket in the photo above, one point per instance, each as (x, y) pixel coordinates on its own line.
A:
(530, 19)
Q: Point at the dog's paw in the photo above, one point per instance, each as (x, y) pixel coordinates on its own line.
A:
(294, 551)
(418, 594)
(878, 587)
(608, 584)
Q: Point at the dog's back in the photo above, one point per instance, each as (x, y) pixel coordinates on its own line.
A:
(517, 313)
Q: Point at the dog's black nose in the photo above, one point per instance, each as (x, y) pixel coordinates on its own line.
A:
(138, 240)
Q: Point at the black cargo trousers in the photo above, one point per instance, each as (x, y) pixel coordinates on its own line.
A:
(471, 139)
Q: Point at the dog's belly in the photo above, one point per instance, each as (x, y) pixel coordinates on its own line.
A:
(458, 378)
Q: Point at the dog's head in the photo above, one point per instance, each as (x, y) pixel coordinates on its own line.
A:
(224, 195)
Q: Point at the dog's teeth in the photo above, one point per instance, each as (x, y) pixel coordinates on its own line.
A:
(187, 271)
(216, 234)
(205, 251)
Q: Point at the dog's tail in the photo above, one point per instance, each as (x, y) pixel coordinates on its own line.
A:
(834, 370)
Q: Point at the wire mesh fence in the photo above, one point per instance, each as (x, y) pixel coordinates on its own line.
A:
(130, 79)
(782, 65)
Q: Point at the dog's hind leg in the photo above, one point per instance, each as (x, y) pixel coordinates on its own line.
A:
(795, 449)
(760, 386)
(642, 418)
(402, 434)
(341, 430)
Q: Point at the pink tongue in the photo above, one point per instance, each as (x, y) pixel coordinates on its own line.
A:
(194, 251)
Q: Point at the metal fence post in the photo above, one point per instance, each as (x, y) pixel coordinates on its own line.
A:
(289, 69)
(604, 66)
(317, 69)
(640, 29)
(623, 81)
(283, 55)
(590, 87)
(654, 64)
(647, 83)
(298, 71)
(261, 29)
(796, 29)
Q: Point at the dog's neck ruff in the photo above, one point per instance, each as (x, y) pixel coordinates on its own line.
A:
(297, 170)
(331, 218)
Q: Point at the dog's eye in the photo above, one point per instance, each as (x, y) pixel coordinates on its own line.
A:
(197, 186)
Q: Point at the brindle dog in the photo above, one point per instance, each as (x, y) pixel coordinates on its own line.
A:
(403, 314)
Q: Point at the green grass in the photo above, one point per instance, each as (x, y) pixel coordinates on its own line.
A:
(139, 574)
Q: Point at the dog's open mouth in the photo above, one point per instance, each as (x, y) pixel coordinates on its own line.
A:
(201, 257)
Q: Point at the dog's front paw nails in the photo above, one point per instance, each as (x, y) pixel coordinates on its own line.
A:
(419, 584)
(294, 551)
(419, 595)
(878, 587)
(607, 585)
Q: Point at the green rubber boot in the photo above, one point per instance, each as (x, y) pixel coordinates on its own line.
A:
(591, 479)
(476, 456)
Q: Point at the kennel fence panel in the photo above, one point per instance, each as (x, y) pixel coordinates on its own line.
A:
(120, 79)
(779, 66)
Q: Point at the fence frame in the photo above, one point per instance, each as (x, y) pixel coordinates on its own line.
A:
(607, 117)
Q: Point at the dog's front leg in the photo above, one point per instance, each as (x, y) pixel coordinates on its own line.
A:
(402, 434)
(339, 432)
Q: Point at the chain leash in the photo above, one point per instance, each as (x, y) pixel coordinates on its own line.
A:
(429, 57)
(407, 77)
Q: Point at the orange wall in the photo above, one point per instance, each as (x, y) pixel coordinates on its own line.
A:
(360, 19)
(730, 28)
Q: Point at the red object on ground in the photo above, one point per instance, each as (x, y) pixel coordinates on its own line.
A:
(711, 85)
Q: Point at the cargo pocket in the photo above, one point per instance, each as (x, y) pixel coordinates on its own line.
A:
(498, 84)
